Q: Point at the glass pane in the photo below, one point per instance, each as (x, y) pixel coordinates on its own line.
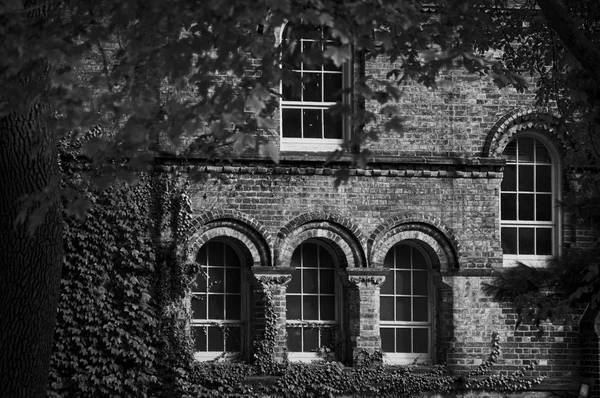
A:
(311, 339)
(543, 181)
(327, 308)
(325, 259)
(215, 279)
(312, 123)
(387, 308)
(418, 259)
(526, 241)
(510, 152)
(327, 281)
(403, 282)
(200, 282)
(541, 153)
(215, 307)
(403, 256)
(388, 336)
(312, 54)
(313, 88)
(543, 209)
(232, 280)
(311, 308)
(509, 240)
(403, 309)
(421, 309)
(292, 127)
(421, 340)
(526, 206)
(526, 178)
(294, 286)
(294, 341)
(333, 87)
(293, 307)
(389, 259)
(327, 337)
(295, 261)
(292, 86)
(525, 149)
(215, 339)
(310, 280)
(233, 339)
(216, 257)
(199, 338)
(543, 244)
(201, 257)
(310, 255)
(233, 307)
(388, 286)
(403, 343)
(231, 257)
(333, 126)
(420, 283)
(199, 307)
(508, 206)
(509, 181)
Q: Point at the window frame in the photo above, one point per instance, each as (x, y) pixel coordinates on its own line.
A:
(336, 324)
(244, 309)
(511, 260)
(289, 144)
(397, 358)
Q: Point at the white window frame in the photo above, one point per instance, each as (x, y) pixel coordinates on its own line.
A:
(409, 358)
(511, 260)
(244, 311)
(314, 144)
(311, 356)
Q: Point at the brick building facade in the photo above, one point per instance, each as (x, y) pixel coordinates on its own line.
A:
(394, 259)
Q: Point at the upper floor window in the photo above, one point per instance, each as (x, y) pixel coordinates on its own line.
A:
(406, 305)
(218, 301)
(310, 85)
(529, 190)
(311, 302)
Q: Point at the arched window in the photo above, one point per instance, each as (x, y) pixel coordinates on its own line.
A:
(311, 301)
(406, 305)
(310, 85)
(218, 301)
(529, 190)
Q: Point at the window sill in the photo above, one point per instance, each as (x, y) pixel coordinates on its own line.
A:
(509, 261)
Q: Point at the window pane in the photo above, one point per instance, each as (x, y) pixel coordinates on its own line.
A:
(403, 282)
(510, 152)
(327, 308)
(215, 279)
(508, 206)
(313, 88)
(403, 309)
(525, 149)
(310, 255)
(293, 307)
(216, 256)
(421, 340)
(526, 245)
(388, 337)
(403, 256)
(333, 126)
(312, 123)
(543, 180)
(418, 260)
(215, 339)
(543, 207)
(200, 282)
(312, 53)
(333, 87)
(294, 340)
(327, 281)
(325, 259)
(310, 282)
(420, 283)
(233, 309)
(509, 180)
(526, 206)
(403, 340)
(388, 262)
(215, 307)
(526, 178)
(327, 337)
(292, 127)
(387, 308)
(199, 307)
(509, 240)
(311, 308)
(543, 242)
(294, 286)
(233, 339)
(388, 286)
(311, 339)
(541, 153)
(199, 338)
(232, 280)
(421, 310)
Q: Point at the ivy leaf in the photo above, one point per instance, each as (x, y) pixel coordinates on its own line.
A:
(270, 150)
(339, 55)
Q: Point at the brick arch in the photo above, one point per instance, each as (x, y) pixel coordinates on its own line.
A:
(439, 239)
(540, 119)
(340, 238)
(248, 238)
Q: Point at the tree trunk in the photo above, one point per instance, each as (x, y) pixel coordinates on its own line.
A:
(30, 263)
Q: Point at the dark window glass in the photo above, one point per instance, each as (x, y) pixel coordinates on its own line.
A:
(403, 281)
(292, 123)
(543, 207)
(543, 241)
(333, 87)
(526, 241)
(420, 309)
(313, 123)
(509, 206)
(294, 339)
(420, 283)
(509, 180)
(543, 178)
(509, 240)
(313, 87)
(215, 339)
(525, 149)
(403, 309)
(387, 309)
(388, 337)
(526, 178)
(403, 340)
(526, 206)
(421, 340)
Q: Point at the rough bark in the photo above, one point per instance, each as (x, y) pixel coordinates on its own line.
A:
(586, 53)
(30, 263)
